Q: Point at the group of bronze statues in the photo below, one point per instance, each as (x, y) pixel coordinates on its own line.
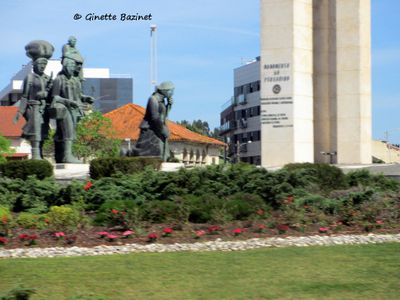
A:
(62, 99)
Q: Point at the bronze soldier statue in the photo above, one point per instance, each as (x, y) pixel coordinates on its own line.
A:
(36, 97)
(67, 107)
(154, 133)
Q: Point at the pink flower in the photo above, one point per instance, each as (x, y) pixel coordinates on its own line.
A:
(114, 211)
(111, 237)
(23, 236)
(323, 229)
(103, 234)
(152, 236)
(199, 233)
(127, 233)
(380, 222)
(167, 231)
(237, 231)
(59, 234)
(214, 229)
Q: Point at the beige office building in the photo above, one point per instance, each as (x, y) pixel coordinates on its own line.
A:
(315, 81)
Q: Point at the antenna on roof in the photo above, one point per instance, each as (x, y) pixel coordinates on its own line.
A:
(153, 56)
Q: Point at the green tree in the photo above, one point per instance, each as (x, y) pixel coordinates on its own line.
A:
(201, 127)
(5, 148)
(95, 138)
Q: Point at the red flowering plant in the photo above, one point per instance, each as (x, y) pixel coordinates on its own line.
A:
(118, 218)
(323, 230)
(167, 231)
(282, 228)
(88, 186)
(29, 239)
(59, 235)
(237, 231)
(102, 234)
(111, 237)
(3, 241)
(127, 233)
(379, 223)
(199, 233)
(152, 237)
(215, 229)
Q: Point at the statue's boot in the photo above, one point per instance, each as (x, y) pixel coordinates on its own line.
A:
(35, 150)
(68, 156)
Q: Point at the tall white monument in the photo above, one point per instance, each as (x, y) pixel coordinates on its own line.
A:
(315, 81)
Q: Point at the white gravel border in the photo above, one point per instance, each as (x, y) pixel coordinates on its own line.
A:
(217, 245)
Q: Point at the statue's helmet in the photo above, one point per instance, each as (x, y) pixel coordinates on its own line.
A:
(166, 85)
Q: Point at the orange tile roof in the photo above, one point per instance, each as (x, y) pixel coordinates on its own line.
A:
(7, 126)
(126, 121)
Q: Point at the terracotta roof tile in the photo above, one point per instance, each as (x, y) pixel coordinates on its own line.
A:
(126, 121)
(7, 126)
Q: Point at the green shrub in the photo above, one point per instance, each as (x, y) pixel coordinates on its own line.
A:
(107, 167)
(125, 214)
(31, 221)
(63, 218)
(32, 195)
(364, 178)
(242, 206)
(24, 168)
(327, 177)
(160, 211)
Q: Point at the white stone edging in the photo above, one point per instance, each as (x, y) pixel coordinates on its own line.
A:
(217, 245)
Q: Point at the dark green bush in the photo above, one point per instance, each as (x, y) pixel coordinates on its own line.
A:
(364, 178)
(107, 167)
(242, 206)
(129, 214)
(160, 211)
(327, 177)
(24, 168)
(31, 195)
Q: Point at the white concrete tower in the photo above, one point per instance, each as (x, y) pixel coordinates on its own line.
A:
(286, 82)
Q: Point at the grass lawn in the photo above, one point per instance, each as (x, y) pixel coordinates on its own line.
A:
(339, 272)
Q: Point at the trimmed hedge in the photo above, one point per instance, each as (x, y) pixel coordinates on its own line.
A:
(107, 167)
(24, 168)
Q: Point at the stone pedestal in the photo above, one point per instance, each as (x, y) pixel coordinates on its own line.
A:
(171, 167)
(71, 171)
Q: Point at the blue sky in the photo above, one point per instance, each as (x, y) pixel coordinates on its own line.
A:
(200, 42)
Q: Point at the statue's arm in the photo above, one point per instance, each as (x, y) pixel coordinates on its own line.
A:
(24, 100)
